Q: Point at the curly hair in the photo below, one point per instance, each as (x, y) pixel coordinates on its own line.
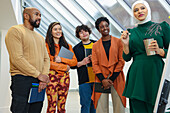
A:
(82, 27)
(99, 20)
(50, 41)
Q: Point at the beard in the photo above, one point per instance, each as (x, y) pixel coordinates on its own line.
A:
(34, 23)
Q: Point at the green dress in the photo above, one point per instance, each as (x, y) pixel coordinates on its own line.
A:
(145, 72)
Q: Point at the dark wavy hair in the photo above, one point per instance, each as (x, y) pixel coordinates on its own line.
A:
(82, 27)
(99, 20)
(50, 41)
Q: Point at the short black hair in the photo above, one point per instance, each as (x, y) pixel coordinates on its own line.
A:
(99, 20)
(82, 27)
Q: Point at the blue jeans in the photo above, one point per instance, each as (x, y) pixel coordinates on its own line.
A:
(85, 92)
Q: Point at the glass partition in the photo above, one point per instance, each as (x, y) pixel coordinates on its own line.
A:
(71, 13)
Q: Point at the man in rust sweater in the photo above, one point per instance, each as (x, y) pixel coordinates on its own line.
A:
(29, 61)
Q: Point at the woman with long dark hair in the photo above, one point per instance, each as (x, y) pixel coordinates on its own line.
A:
(58, 87)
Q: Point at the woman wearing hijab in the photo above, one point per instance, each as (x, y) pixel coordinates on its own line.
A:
(58, 87)
(145, 72)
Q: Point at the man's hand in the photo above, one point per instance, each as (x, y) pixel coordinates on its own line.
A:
(90, 57)
(42, 85)
(85, 61)
(107, 83)
(43, 78)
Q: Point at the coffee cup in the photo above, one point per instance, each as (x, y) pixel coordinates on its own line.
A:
(147, 42)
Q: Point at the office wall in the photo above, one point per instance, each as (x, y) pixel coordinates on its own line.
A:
(7, 20)
(5, 95)
(0, 53)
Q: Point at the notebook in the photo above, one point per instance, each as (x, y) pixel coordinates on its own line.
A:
(100, 89)
(34, 95)
(65, 53)
(87, 53)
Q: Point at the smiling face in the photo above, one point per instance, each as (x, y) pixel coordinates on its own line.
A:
(140, 12)
(84, 35)
(104, 28)
(57, 31)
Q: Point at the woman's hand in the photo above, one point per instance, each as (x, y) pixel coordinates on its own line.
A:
(125, 40)
(57, 59)
(125, 37)
(68, 67)
(107, 83)
(155, 47)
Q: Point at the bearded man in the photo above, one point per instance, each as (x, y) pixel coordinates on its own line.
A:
(29, 61)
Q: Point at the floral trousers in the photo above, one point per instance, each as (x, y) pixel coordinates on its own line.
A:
(57, 91)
